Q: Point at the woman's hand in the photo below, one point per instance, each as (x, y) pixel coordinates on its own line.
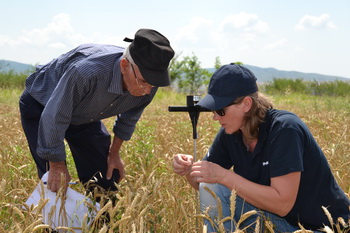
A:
(208, 172)
(182, 164)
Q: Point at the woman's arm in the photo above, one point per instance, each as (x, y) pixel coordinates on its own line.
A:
(277, 198)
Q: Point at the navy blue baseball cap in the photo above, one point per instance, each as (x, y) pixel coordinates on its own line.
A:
(227, 84)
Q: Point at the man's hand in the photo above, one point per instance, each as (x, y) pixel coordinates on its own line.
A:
(115, 162)
(182, 164)
(54, 179)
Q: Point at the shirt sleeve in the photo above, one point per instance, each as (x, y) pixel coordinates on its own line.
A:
(286, 149)
(219, 152)
(125, 123)
(57, 115)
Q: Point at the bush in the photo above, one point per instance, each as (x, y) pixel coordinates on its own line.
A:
(288, 86)
(11, 79)
(335, 88)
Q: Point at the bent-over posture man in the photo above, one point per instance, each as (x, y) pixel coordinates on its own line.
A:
(68, 97)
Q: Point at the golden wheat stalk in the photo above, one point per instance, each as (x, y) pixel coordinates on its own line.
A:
(39, 208)
(327, 229)
(65, 229)
(257, 225)
(205, 216)
(120, 222)
(233, 203)
(141, 225)
(269, 226)
(329, 216)
(17, 211)
(2, 188)
(218, 201)
(103, 229)
(245, 216)
(143, 212)
(29, 229)
(103, 210)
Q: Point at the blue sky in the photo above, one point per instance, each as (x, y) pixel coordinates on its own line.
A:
(310, 36)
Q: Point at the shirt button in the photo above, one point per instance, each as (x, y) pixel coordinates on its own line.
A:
(91, 119)
(101, 113)
(111, 105)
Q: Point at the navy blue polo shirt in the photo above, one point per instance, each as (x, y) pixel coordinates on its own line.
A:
(285, 145)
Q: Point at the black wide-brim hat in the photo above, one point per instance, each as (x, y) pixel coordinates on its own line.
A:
(152, 53)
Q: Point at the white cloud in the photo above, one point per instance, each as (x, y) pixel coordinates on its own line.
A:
(59, 30)
(280, 44)
(313, 22)
(46, 42)
(230, 38)
(244, 22)
(6, 41)
(193, 32)
(57, 45)
(58, 34)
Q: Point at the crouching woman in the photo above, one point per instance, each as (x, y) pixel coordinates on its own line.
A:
(279, 170)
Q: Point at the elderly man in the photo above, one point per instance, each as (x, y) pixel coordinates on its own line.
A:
(68, 97)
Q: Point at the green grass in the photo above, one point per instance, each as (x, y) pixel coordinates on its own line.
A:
(152, 198)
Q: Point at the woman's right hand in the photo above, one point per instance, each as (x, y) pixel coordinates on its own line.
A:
(182, 164)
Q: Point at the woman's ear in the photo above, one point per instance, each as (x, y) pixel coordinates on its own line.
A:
(247, 103)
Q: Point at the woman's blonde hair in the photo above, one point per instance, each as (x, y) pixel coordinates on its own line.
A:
(256, 115)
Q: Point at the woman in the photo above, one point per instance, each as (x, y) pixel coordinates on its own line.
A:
(279, 169)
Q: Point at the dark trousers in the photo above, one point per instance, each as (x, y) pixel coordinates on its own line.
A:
(89, 144)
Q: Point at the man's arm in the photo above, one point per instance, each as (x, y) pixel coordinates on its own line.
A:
(114, 160)
(54, 122)
(58, 170)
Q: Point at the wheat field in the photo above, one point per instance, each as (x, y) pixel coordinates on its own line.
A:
(152, 198)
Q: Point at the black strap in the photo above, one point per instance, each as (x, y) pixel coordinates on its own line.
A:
(128, 39)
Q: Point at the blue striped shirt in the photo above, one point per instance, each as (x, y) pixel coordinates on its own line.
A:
(79, 87)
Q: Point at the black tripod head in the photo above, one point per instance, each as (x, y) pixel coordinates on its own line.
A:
(193, 109)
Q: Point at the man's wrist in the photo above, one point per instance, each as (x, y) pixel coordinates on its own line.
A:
(57, 164)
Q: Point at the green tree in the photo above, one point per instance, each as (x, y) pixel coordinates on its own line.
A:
(193, 76)
(217, 64)
(175, 68)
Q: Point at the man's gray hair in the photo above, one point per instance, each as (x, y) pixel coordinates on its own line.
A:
(127, 55)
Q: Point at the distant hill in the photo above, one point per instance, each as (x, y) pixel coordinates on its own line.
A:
(262, 74)
(17, 67)
(268, 74)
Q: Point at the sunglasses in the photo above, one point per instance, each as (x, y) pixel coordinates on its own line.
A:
(221, 112)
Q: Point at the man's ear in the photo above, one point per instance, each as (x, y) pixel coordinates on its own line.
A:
(123, 65)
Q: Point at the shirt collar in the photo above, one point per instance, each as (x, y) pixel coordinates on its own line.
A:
(116, 85)
(263, 131)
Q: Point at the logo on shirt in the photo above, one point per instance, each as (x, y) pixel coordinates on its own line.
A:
(265, 163)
